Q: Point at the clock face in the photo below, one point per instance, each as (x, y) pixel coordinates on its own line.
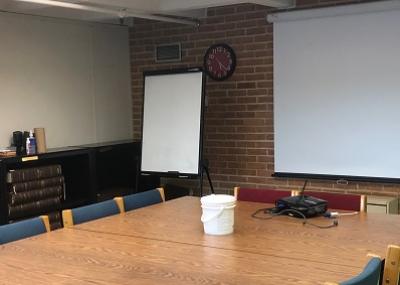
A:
(220, 61)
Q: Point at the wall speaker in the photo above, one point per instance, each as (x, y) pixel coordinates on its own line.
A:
(168, 52)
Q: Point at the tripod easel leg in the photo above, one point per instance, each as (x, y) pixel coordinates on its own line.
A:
(204, 168)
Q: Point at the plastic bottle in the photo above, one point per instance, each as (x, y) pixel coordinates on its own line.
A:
(31, 144)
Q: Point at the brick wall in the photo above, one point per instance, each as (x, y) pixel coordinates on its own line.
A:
(239, 135)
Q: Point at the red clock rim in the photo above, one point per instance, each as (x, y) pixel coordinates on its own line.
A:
(233, 56)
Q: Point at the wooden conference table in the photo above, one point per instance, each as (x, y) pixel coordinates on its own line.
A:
(165, 244)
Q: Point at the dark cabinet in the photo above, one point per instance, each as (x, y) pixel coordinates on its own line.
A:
(92, 172)
(117, 169)
(76, 169)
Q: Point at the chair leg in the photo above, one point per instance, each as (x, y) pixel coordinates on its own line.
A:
(236, 192)
(120, 204)
(68, 221)
(46, 222)
(363, 203)
(162, 194)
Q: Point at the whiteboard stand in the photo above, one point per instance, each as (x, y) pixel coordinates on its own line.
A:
(204, 168)
(172, 124)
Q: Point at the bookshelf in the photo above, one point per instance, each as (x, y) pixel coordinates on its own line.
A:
(76, 168)
(92, 172)
(117, 169)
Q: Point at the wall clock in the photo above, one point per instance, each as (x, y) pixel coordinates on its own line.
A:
(219, 61)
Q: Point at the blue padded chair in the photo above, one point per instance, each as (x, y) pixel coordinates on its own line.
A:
(24, 229)
(90, 212)
(139, 200)
(369, 276)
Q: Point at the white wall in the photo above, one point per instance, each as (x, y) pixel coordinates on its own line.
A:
(71, 78)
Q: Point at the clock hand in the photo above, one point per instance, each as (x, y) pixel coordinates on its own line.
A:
(221, 65)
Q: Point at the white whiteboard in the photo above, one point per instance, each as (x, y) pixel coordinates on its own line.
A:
(337, 95)
(172, 121)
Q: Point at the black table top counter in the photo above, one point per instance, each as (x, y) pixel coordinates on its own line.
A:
(109, 143)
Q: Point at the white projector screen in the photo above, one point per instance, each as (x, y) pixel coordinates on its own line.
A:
(337, 95)
(172, 122)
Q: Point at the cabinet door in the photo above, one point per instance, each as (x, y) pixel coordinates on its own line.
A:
(377, 209)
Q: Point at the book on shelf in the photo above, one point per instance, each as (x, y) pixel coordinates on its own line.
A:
(35, 195)
(7, 153)
(36, 184)
(34, 208)
(34, 173)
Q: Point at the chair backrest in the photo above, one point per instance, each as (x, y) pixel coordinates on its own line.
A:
(392, 266)
(89, 212)
(24, 229)
(340, 201)
(260, 195)
(369, 276)
(142, 199)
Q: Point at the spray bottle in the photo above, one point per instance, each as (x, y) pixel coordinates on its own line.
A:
(31, 144)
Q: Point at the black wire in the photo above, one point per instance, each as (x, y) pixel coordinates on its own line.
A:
(265, 210)
(273, 214)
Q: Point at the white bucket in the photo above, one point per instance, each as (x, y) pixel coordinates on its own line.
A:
(218, 214)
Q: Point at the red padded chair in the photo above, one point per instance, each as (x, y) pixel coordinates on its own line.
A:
(260, 195)
(350, 202)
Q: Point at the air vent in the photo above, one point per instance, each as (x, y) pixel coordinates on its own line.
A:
(168, 53)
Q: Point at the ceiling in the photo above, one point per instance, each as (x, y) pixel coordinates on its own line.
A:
(180, 11)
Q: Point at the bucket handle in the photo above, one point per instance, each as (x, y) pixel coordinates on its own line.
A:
(221, 209)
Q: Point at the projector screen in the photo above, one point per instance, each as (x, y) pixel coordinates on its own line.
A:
(337, 95)
(172, 122)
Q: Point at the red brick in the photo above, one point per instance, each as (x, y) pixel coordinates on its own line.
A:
(235, 33)
(234, 18)
(245, 8)
(246, 100)
(255, 31)
(255, 92)
(247, 172)
(257, 14)
(224, 10)
(246, 85)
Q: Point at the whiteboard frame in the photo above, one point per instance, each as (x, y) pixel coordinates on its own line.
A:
(201, 126)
